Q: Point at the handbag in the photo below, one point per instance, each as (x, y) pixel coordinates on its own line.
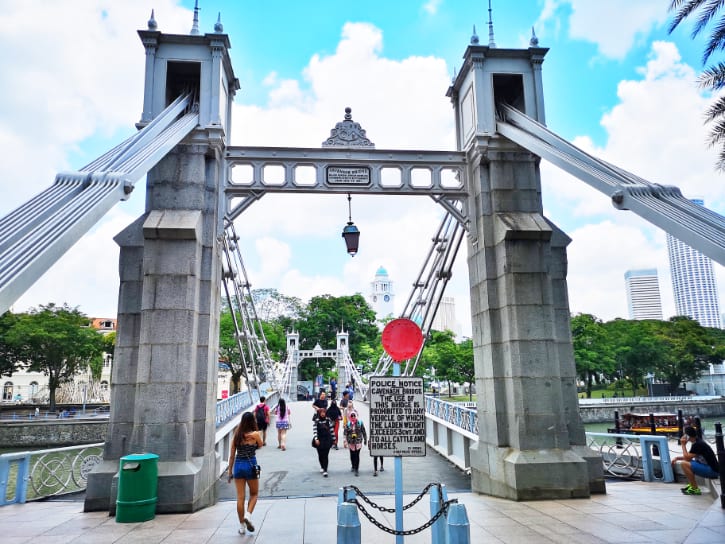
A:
(257, 470)
(313, 443)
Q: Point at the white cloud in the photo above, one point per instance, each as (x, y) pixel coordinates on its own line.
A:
(615, 26)
(431, 6)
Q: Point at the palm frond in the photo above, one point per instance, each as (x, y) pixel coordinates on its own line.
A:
(708, 12)
(720, 164)
(716, 41)
(717, 134)
(712, 77)
(716, 110)
(684, 8)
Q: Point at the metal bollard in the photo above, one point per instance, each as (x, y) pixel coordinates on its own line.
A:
(721, 461)
(459, 530)
(348, 524)
(438, 496)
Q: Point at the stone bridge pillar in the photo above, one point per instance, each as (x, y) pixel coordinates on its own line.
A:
(531, 439)
(164, 377)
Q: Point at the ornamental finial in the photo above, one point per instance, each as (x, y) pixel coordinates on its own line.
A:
(218, 26)
(534, 41)
(152, 25)
(474, 37)
(195, 24)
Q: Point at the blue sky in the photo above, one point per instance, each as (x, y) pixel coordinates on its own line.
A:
(615, 83)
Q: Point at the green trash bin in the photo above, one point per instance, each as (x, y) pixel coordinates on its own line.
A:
(137, 484)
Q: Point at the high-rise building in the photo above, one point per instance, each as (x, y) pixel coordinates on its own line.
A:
(445, 318)
(693, 282)
(643, 294)
(381, 294)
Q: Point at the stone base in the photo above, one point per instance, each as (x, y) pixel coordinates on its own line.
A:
(524, 475)
(183, 487)
(597, 485)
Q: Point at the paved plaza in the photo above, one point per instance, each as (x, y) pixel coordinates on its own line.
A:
(298, 505)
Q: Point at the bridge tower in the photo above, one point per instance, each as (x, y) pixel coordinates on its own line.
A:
(163, 393)
(343, 350)
(531, 443)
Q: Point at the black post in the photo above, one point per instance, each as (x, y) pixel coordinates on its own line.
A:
(617, 427)
(721, 460)
(680, 424)
(698, 427)
(653, 430)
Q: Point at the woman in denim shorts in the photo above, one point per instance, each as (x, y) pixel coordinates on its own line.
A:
(243, 468)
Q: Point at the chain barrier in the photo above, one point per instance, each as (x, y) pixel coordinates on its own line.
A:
(443, 510)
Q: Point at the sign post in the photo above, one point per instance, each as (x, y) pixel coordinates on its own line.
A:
(401, 339)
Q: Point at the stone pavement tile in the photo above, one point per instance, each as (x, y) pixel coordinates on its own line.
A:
(520, 535)
(142, 536)
(605, 531)
(667, 520)
(669, 536)
(190, 536)
(703, 535)
(552, 528)
(630, 521)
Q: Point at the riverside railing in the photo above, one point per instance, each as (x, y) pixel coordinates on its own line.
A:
(33, 475)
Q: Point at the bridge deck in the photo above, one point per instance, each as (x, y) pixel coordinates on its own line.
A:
(295, 472)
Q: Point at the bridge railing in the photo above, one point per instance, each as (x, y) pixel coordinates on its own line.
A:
(34, 475)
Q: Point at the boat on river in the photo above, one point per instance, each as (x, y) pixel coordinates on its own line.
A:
(663, 423)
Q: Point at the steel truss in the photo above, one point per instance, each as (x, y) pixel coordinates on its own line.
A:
(257, 364)
(35, 235)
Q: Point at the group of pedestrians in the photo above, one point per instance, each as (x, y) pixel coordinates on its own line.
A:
(251, 434)
(325, 431)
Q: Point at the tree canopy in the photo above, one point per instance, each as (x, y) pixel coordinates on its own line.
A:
(672, 351)
(54, 340)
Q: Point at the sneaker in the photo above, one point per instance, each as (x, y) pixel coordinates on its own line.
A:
(692, 491)
(382, 469)
(683, 489)
(322, 470)
(324, 474)
(352, 469)
(242, 531)
(357, 473)
(375, 473)
(249, 525)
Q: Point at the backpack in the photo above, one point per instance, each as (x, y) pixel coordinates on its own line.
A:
(259, 413)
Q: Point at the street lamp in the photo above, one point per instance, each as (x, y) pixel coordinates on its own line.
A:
(350, 232)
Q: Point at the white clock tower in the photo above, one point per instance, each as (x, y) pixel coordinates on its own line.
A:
(381, 294)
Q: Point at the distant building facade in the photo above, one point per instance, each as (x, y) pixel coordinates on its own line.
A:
(445, 318)
(693, 282)
(382, 297)
(643, 294)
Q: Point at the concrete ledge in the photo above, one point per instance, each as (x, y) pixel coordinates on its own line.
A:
(173, 225)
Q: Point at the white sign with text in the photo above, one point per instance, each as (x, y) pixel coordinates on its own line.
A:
(397, 416)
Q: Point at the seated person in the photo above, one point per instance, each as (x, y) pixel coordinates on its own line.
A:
(700, 461)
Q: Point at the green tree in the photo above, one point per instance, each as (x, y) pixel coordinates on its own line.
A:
(10, 357)
(690, 348)
(592, 349)
(323, 317)
(57, 341)
(713, 77)
(637, 348)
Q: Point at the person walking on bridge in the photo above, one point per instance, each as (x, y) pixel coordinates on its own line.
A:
(356, 436)
(322, 438)
(335, 415)
(282, 415)
(244, 469)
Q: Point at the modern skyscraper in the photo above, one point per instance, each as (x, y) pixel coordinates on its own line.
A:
(693, 282)
(381, 294)
(445, 318)
(643, 294)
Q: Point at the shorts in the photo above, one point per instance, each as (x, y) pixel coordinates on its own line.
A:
(703, 470)
(282, 425)
(245, 468)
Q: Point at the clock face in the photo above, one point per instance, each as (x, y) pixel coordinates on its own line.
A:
(386, 298)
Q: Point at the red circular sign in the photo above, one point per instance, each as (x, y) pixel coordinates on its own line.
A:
(402, 339)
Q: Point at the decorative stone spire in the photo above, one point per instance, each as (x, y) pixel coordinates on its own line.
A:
(348, 133)
(534, 41)
(491, 41)
(152, 25)
(195, 25)
(474, 37)
(218, 26)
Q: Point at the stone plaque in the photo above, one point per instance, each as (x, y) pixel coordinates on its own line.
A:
(397, 416)
(348, 175)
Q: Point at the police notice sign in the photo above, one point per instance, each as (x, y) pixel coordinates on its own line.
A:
(397, 416)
